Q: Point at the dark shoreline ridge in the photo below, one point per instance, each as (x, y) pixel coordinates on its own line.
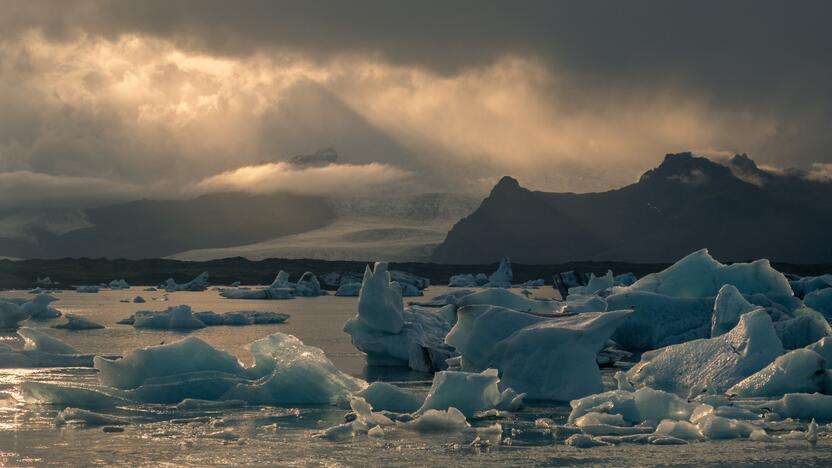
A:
(21, 274)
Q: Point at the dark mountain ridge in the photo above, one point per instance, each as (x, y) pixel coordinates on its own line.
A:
(736, 210)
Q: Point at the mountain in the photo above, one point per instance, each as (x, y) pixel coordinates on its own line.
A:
(157, 228)
(736, 209)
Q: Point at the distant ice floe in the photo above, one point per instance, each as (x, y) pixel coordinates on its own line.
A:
(281, 288)
(77, 322)
(502, 278)
(183, 318)
(200, 283)
(42, 350)
(15, 310)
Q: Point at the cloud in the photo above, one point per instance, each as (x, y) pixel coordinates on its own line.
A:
(332, 179)
(155, 98)
(31, 189)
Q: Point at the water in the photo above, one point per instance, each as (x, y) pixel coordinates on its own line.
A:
(159, 435)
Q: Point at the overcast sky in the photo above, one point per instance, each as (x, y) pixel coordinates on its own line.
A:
(113, 100)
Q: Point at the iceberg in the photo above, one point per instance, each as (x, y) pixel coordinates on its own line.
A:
(296, 374)
(798, 371)
(595, 285)
(308, 286)
(183, 318)
(504, 298)
(804, 286)
(802, 406)
(466, 391)
(578, 304)
(820, 301)
(87, 289)
(499, 279)
(76, 322)
(658, 320)
(502, 277)
(185, 356)
(390, 334)
(550, 358)
(824, 348)
(349, 290)
(286, 372)
(388, 397)
(42, 350)
(281, 288)
(432, 420)
(380, 305)
(11, 314)
(87, 418)
(138, 300)
(699, 275)
(38, 307)
(174, 318)
(464, 281)
(802, 330)
(200, 283)
(418, 345)
(118, 284)
(711, 365)
(728, 307)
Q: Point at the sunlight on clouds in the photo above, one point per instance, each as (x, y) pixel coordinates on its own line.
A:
(284, 177)
(140, 109)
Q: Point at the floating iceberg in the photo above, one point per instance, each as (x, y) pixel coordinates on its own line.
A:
(546, 358)
(798, 371)
(728, 307)
(297, 374)
(659, 320)
(802, 406)
(804, 286)
(578, 304)
(308, 286)
(286, 372)
(200, 283)
(42, 350)
(349, 290)
(138, 300)
(36, 308)
(699, 275)
(11, 314)
(281, 288)
(450, 420)
(118, 284)
(504, 298)
(820, 301)
(380, 304)
(174, 318)
(595, 285)
(87, 289)
(390, 334)
(388, 397)
(499, 279)
(76, 322)
(502, 277)
(466, 391)
(182, 317)
(711, 365)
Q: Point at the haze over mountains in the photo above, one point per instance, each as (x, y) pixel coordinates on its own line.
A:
(737, 210)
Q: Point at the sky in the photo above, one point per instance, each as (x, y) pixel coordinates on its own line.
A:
(105, 101)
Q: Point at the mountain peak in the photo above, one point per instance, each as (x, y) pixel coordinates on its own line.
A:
(687, 169)
(506, 183)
